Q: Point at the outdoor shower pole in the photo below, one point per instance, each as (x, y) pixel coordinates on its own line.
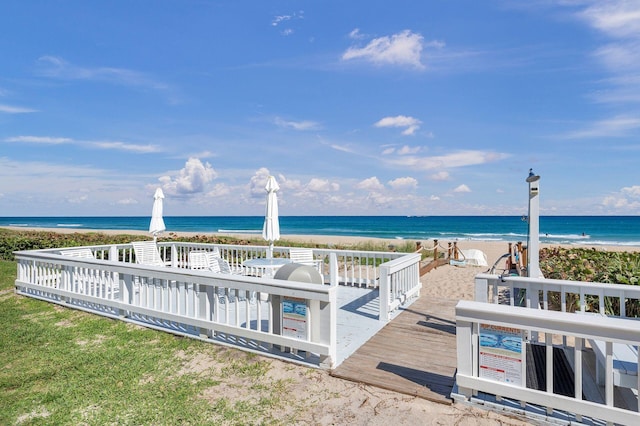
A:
(533, 243)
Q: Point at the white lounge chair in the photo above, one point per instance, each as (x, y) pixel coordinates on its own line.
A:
(147, 253)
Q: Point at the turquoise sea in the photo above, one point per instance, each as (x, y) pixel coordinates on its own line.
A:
(594, 230)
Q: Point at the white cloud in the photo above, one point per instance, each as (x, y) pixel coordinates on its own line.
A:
(121, 146)
(624, 89)
(619, 22)
(342, 148)
(115, 145)
(39, 139)
(127, 201)
(615, 18)
(409, 123)
(78, 200)
(9, 109)
(203, 154)
(403, 182)
(355, 34)
(297, 125)
(462, 188)
(192, 179)
(453, 160)
(219, 190)
(56, 67)
(620, 203)
(257, 183)
(282, 19)
(380, 199)
(625, 201)
(407, 150)
(440, 176)
(632, 191)
(370, 184)
(404, 49)
(614, 127)
(434, 198)
(619, 56)
(279, 19)
(322, 185)
(292, 185)
(388, 151)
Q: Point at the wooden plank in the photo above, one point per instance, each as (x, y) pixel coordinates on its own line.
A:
(414, 354)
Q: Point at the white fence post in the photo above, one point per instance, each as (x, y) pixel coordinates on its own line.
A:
(385, 292)
(465, 352)
(482, 290)
(333, 270)
(328, 318)
(203, 307)
(174, 256)
(113, 253)
(125, 292)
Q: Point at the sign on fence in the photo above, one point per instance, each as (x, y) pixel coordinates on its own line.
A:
(501, 354)
(294, 318)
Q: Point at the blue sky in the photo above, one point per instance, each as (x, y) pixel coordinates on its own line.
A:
(358, 108)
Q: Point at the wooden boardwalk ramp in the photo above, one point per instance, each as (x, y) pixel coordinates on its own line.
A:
(413, 354)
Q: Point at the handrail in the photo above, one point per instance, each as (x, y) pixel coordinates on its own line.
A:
(211, 305)
(538, 292)
(469, 316)
(178, 299)
(399, 281)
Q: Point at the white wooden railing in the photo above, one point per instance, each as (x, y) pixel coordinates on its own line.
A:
(573, 328)
(568, 313)
(235, 309)
(355, 267)
(399, 282)
(540, 292)
(397, 275)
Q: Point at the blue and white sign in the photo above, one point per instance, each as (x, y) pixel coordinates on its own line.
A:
(294, 318)
(501, 354)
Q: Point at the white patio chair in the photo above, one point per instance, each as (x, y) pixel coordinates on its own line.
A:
(82, 252)
(203, 260)
(78, 277)
(304, 256)
(215, 252)
(147, 253)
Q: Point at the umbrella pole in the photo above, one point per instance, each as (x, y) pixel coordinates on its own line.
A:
(270, 252)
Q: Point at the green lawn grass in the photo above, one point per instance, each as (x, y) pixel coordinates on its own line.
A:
(64, 366)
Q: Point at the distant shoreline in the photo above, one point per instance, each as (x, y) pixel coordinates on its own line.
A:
(584, 230)
(318, 239)
(493, 249)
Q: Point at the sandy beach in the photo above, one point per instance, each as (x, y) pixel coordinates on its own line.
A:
(343, 402)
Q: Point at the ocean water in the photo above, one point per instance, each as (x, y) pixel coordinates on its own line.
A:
(593, 230)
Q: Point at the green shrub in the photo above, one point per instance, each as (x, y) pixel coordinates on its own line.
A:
(591, 265)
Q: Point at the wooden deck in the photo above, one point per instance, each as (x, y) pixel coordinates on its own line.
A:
(413, 354)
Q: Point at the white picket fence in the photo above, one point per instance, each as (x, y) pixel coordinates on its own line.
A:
(572, 316)
(234, 309)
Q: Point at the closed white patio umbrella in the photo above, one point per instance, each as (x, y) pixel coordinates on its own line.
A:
(271, 228)
(157, 223)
